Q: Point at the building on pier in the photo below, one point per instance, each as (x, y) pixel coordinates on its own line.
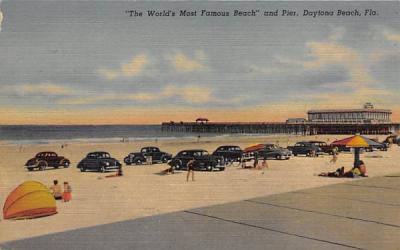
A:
(366, 115)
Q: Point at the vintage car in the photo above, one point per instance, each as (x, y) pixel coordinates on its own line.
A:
(392, 139)
(305, 148)
(229, 153)
(328, 149)
(44, 160)
(202, 160)
(272, 151)
(98, 161)
(145, 154)
(381, 146)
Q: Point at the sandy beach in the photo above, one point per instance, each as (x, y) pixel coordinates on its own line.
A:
(142, 191)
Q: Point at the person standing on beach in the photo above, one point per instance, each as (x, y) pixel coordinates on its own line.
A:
(67, 192)
(255, 163)
(334, 156)
(56, 190)
(190, 168)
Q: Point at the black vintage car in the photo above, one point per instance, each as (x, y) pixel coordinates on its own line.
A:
(98, 161)
(44, 160)
(328, 149)
(202, 160)
(378, 146)
(305, 148)
(229, 153)
(272, 151)
(146, 153)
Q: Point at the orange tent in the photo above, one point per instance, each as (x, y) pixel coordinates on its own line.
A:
(31, 199)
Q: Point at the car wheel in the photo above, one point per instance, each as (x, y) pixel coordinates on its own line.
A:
(209, 168)
(178, 165)
(278, 157)
(102, 169)
(164, 159)
(82, 168)
(30, 169)
(138, 162)
(42, 165)
(66, 164)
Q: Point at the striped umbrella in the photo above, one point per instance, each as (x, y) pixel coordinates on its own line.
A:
(356, 142)
(253, 148)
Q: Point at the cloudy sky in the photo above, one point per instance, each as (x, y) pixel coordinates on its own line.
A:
(64, 62)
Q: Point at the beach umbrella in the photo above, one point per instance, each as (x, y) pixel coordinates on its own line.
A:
(357, 142)
(254, 148)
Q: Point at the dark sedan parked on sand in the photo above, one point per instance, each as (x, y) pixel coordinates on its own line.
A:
(202, 160)
(272, 151)
(327, 149)
(99, 161)
(44, 160)
(229, 153)
(305, 148)
(146, 153)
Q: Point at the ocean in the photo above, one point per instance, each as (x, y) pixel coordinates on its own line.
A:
(43, 134)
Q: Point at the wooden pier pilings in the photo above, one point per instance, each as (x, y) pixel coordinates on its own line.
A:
(279, 128)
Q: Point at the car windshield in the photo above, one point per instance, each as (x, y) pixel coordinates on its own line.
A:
(200, 153)
(104, 155)
(234, 149)
(91, 156)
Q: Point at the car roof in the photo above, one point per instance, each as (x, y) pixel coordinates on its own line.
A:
(99, 152)
(194, 150)
(47, 152)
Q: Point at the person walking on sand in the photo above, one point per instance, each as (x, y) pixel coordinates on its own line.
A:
(334, 157)
(67, 192)
(56, 190)
(255, 163)
(264, 164)
(190, 168)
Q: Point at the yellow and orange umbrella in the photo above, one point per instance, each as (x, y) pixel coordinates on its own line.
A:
(357, 142)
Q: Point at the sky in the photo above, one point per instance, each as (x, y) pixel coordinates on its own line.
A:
(89, 62)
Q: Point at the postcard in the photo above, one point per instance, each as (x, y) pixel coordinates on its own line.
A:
(199, 125)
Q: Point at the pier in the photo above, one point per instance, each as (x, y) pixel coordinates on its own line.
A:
(306, 128)
(366, 120)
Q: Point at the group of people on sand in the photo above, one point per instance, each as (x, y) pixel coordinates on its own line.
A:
(190, 170)
(359, 169)
(256, 163)
(118, 174)
(59, 193)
